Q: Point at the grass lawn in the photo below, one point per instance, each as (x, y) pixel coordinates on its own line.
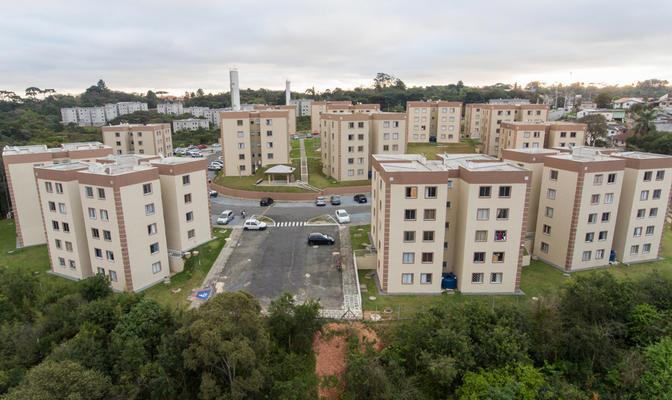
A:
(195, 270)
(429, 150)
(359, 237)
(31, 259)
(248, 182)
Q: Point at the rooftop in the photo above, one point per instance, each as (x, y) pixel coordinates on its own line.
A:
(66, 166)
(41, 148)
(584, 154)
(174, 160)
(124, 164)
(418, 163)
(639, 155)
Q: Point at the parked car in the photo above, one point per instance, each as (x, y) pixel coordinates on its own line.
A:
(202, 146)
(265, 201)
(321, 201)
(320, 238)
(335, 200)
(342, 216)
(360, 198)
(194, 153)
(214, 167)
(225, 217)
(254, 225)
(295, 137)
(213, 193)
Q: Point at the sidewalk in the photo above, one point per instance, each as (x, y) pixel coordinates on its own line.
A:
(304, 162)
(352, 302)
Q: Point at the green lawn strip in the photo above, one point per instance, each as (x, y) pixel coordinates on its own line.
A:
(359, 237)
(266, 220)
(195, 270)
(249, 182)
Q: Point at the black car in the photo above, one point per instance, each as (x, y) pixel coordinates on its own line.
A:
(360, 198)
(320, 238)
(265, 201)
(335, 200)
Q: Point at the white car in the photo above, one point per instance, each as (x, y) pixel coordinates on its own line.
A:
(225, 217)
(342, 216)
(254, 225)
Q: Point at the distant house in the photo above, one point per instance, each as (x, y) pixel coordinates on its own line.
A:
(627, 102)
(620, 139)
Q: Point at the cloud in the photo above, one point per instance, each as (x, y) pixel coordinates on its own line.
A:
(178, 46)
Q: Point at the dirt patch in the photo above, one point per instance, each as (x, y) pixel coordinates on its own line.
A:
(330, 349)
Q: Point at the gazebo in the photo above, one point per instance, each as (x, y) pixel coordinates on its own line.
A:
(280, 171)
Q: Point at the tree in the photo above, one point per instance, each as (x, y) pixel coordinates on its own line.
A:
(596, 129)
(200, 92)
(64, 380)
(522, 382)
(33, 91)
(603, 100)
(101, 85)
(293, 326)
(644, 122)
(656, 383)
(95, 287)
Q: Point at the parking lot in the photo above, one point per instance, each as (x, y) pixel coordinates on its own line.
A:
(267, 263)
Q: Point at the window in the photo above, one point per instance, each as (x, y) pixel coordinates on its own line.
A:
(638, 231)
(611, 178)
(66, 226)
(590, 236)
(498, 257)
(479, 256)
(656, 194)
(59, 188)
(109, 255)
(409, 215)
(641, 213)
(547, 229)
(653, 212)
(408, 258)
(592, 218)
(351, 160)
(505, 191)
(186, 179)
(406, 279)
(634, 249)
(477, 277)
(449, 184)
(360, 148)
(147, 188)
(61, 261)
(554, 175)
(481, 236)
(154, 248)
(425, 278)
(599, 254)
(59, 245)
(483, 214)
(103, 215)
(409, 236)
(151, 229)
(360, 136)
(605, 216)
(269, 133)
(597, 180)
(602, 235)
(608, 198)
(191, 233)
(496, 277)
(647, 176)
(646, 248)
(551, 194)
(549, 212)
(649, 230)
(660, 175)
(448, 204)
(544, 247)
(430, 192)
(269, 122)
(502, 213)
(113, 276)
(428, 257)
(386, 147)
(107, 235)
(149, 209)
(269, 145)
(239, 122)
(241, 146)
(52, 206)
(95, 233)
(98, 253)
(428, 236)
(48, 187)
(187, 198)
(411, 192)
(72, 264)
(101, 193)
(156, 267)
(500, 236)
(190, 216)
(429, 214)
(586, 255)
(484, 191)
(89, 191)
(241, 156)
(595, 199)
(644, 195)
(351, 172)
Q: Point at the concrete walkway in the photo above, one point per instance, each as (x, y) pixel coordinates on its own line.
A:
(304, 162)
(352, 301)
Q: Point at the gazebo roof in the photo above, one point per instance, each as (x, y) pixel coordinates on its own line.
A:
(280, 169)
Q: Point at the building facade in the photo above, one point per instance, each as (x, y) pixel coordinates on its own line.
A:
(170, 108)
(317, 107)
(438, 119)
(291, 121)
(190, 124)
(302, 106)
(525, 135)
(151, 139)
(98, 116)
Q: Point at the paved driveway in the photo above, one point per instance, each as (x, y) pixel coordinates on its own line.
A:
(267, 263)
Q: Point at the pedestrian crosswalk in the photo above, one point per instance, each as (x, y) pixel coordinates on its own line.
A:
(290, 224)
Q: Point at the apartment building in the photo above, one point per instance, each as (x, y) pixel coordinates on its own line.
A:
(437, 119)
(254, 139)
(122, 216)
(291, 121)
(523, 135)
(388, 133)
(139, 139)
(302, 106)
(97, 116)
(645, 199)
(565, 134)
(472, 120)
(463, 214)
(190, 124)
(491, 116)
(317, 107)
(19, 162)
(170, 108)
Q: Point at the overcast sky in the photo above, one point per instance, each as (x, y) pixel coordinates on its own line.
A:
(177, 46)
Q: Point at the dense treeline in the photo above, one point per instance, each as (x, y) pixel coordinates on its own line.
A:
(93, 344)
(598, 338)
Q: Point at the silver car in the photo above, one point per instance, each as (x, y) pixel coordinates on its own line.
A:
(225, 217)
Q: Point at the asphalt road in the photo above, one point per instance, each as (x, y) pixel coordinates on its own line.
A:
(267, 263)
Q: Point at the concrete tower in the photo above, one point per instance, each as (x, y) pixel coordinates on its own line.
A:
(235, 90)
(288, 93)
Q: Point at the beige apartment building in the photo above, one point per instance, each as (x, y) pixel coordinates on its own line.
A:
(317, 107)
(139, 139)
(109, 217)
(565, 134)
(491, 117)
(19, 162)
(291, 120)
(388, 133)
(645, 199)
(463, 214)
(438, 119)
(254, 139)
(472, 120)
(524, 135)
